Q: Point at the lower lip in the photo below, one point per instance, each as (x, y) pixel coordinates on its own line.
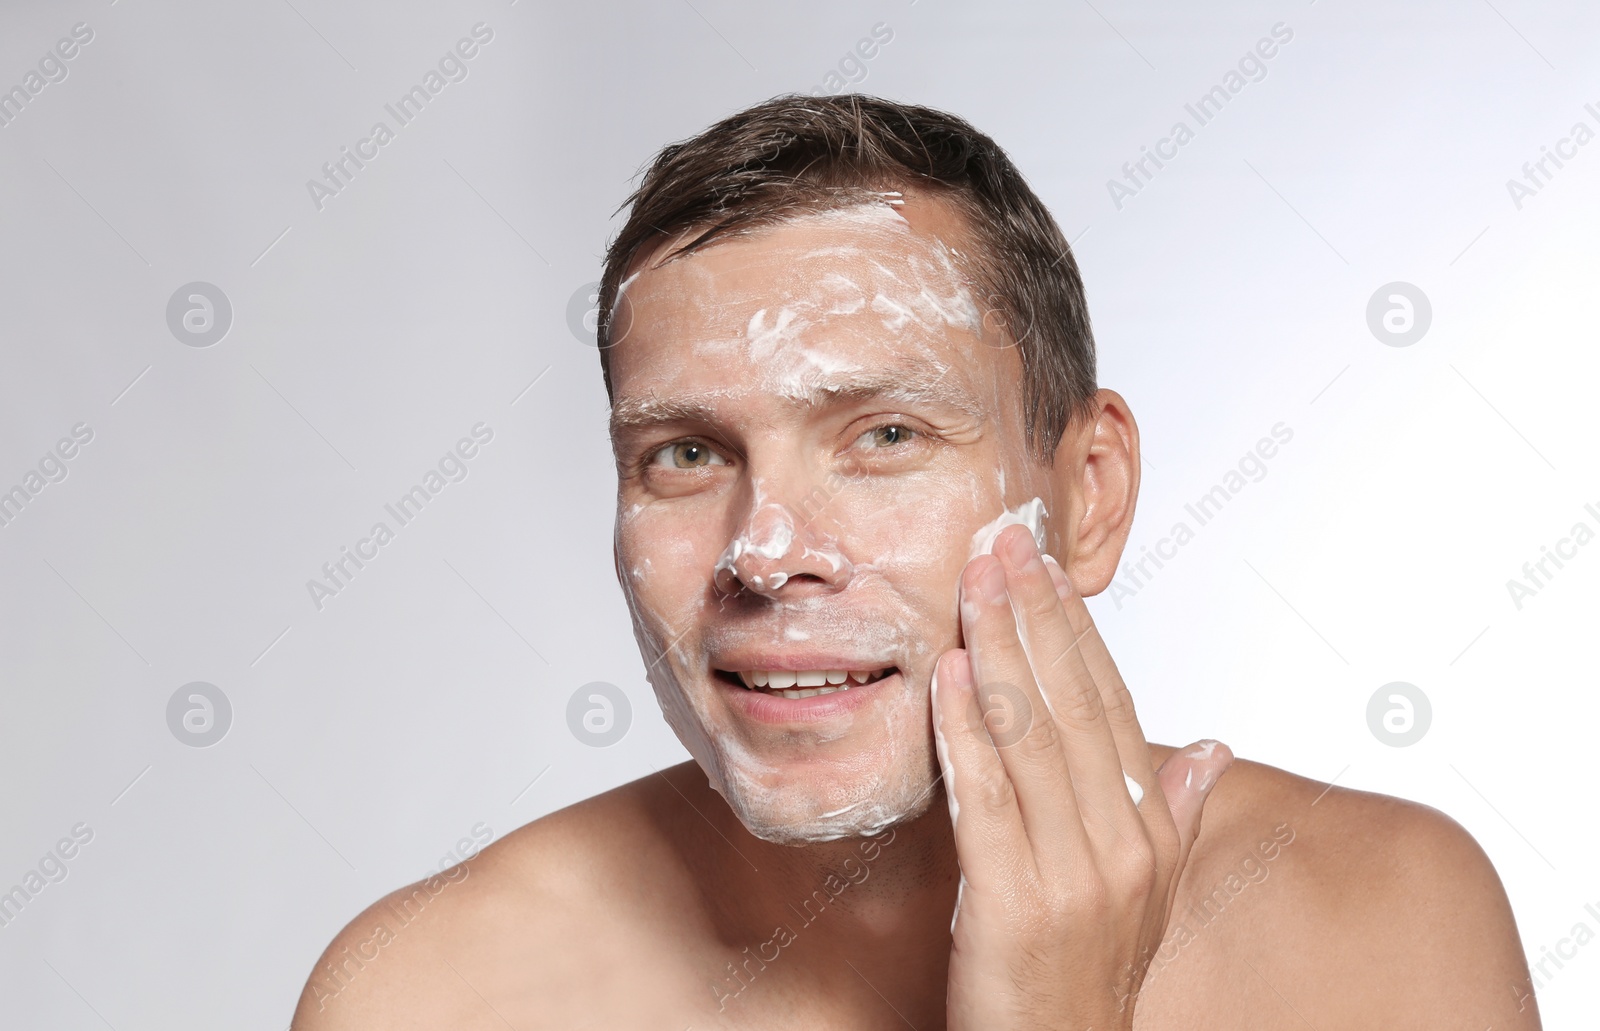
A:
(766, 707)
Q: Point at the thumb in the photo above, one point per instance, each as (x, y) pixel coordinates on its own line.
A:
(1187, 778)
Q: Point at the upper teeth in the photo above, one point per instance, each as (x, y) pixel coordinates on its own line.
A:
(803, 683)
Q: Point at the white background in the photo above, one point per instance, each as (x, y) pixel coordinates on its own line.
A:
(1228, 295)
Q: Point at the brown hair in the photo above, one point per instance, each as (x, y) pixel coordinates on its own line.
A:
(796, 153)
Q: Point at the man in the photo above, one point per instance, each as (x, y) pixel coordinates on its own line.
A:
(865, 480)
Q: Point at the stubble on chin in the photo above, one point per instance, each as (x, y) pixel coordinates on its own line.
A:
(775, 813)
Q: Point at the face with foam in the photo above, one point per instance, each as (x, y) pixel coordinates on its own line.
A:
(811, 423)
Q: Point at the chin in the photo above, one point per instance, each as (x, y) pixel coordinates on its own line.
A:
(792, 810)
(839, 775)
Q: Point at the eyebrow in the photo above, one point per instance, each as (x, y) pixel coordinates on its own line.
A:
(909, 387)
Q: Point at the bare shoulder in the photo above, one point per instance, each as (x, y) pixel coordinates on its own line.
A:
(503, 936)
(1361, 908)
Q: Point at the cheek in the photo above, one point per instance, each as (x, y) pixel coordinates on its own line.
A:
(915, 532)
(664, 563)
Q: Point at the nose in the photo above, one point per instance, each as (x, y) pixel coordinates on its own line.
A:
(770, 556)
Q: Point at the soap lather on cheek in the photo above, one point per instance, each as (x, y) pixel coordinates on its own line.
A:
(942, 751)
(1030, 514)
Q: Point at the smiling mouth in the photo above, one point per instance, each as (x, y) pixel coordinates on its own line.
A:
(803, 683)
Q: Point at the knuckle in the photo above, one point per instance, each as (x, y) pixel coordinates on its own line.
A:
(1082, 706)
(1044, 735)
(1142, 881)
(1042, 605)
(995, 793)
(1092, 899)
(1069, 886)
(1119, 707)
(1138, 873)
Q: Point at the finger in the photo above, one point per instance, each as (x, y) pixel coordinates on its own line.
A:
(1068, 687)
(1187, 779)
(1114, 694)
(991, 845)
(1028, 740)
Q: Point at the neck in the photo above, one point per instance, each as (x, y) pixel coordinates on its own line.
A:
(883, 904)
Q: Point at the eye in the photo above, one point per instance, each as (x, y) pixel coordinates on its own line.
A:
(686, 454)
(887, 436)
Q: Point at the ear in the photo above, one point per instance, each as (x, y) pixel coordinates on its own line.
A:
(1097, 485)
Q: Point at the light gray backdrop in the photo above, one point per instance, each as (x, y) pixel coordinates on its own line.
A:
(1442, 435)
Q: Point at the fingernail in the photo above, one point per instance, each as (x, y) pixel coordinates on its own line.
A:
(992, 584)
(960, 670)
(1199, 755)
(1023, 552)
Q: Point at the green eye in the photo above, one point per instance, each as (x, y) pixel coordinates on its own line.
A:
(888, 436)
(688, 454)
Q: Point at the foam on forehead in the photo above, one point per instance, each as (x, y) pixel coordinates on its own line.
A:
(850, 290)
(898, 244)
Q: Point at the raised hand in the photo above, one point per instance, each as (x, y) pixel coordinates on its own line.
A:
(1067, 882)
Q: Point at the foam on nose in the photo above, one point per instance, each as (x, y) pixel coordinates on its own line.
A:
(769, 538)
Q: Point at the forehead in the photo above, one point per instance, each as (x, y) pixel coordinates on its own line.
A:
(808, 303)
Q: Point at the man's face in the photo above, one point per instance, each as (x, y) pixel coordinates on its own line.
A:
(811, 423)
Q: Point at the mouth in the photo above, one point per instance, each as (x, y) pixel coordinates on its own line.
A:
(795, 684)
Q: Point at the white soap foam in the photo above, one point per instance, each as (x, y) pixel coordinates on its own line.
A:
(1030, 514)
(942, 749)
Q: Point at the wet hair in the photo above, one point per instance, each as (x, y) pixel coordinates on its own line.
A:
(795, 154)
